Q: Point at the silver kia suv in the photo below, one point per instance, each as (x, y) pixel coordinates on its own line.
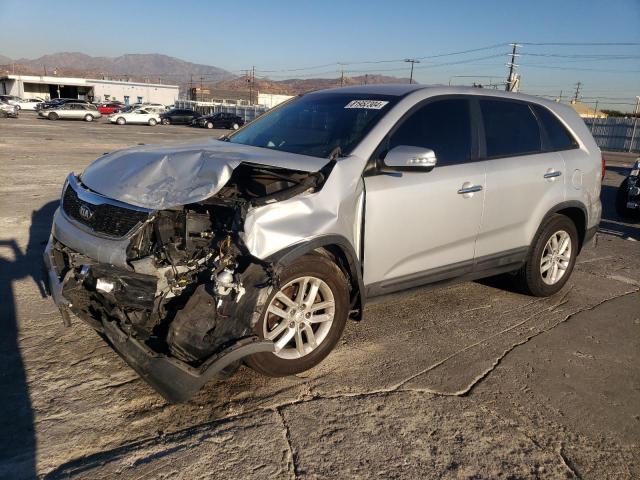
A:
(257, 247)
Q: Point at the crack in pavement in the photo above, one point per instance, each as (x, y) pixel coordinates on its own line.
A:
(292, 461)
(566, 461)
(279, 407)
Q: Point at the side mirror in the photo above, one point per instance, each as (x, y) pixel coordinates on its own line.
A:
(404, 158)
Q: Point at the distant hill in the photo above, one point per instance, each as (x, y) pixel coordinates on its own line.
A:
(296, 86)
(153, 66)
(165, 69)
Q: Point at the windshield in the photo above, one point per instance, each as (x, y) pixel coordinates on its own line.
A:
(320, 125)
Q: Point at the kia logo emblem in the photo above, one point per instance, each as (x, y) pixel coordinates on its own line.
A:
(86, 212)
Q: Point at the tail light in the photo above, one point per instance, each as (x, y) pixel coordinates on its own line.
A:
(604, 167)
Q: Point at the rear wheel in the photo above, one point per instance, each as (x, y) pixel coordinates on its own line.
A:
(552, 258)
(304, 317)
(52, 116)
(209, 125)
(153, 122)
(88, 118)
(121, 121)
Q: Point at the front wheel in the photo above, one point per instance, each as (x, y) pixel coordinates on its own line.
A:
(235, 126)
(153, 122)
(304, 317)
(120, 121)
(552, 258)
(166, 121)
(209, 125)
(52, 116)
(88, 118)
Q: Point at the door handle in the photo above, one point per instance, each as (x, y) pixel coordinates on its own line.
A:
(468, 188)
(552, 174)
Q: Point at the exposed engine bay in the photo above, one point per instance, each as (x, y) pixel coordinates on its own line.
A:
(190, 288)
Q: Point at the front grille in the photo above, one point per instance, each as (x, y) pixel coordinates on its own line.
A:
(106, 219)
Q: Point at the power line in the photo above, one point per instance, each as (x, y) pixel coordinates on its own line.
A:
(583, 44)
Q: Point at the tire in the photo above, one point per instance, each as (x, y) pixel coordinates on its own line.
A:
(121, 121)
(332, 283)
(621, 201)
(52, 116)
(165, 121)
(235, 126)
(152, 122)
(88, 118)
(18, 107)
(530, 278)
(209, 125)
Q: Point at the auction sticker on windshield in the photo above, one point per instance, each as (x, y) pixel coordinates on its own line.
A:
(370, 104)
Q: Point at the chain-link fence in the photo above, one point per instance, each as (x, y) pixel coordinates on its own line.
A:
(615, 133)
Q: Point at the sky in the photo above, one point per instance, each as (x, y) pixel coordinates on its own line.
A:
(283, 38)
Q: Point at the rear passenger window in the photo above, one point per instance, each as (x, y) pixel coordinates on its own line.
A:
(559, 137)
(510, 128)
(444, 126)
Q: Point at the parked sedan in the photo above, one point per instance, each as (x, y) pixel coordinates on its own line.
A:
(219, 120)
(11, 100)
(178, 116)
(7, 110)
(56, 102)
(29, 103)
(138, 116)
(71, 111)
(110, 107)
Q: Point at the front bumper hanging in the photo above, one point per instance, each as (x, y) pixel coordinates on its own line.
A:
(174, 379)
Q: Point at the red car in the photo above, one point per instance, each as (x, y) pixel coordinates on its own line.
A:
(109, 108)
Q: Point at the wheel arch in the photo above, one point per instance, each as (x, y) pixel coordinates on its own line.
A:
(342, 253)
(577, 213)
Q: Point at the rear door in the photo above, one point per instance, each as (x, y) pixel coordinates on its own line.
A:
(524, 181)
(422, 226)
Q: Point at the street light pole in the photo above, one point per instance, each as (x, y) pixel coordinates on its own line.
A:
(412, 61)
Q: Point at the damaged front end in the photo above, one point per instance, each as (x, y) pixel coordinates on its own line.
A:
(175, 291)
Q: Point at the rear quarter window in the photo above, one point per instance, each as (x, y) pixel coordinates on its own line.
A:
(510, 128)
(558, 136)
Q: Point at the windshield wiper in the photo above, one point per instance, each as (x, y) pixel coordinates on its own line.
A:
(336, 153)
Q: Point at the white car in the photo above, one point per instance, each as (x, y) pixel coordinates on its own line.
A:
(138, 116)
(72, 111)
(29, 103)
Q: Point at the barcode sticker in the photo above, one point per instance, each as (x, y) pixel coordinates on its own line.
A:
(370, 104)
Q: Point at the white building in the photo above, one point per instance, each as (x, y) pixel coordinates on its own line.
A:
(30, 86)
(270, 100)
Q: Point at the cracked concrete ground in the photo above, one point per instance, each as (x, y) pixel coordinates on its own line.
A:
(468, 381)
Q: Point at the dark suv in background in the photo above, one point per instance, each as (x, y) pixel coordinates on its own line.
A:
(219, 120)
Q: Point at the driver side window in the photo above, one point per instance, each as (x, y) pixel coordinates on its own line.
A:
(444, 126)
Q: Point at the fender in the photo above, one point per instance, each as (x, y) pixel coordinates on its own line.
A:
(584, 234)
(345, 257)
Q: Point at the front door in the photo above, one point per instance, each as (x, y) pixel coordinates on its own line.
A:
(422, 226)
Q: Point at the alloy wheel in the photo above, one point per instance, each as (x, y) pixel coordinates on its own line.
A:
(556, 257)
(299, 317)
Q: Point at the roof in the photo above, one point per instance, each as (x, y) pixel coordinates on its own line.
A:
(78, 81)
(405, 88)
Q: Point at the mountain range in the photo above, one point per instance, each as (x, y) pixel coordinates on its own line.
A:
(165, 69)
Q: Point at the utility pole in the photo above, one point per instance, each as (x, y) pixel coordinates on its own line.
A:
(201, 91)
(253, 79)
(511, 80)
(191, 87)
(559, 100)
(411, 61)
(576, 95)
(635, 123)
(341, 74)
(595, 116)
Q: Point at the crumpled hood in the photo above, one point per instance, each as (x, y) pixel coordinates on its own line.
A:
(165, 176)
